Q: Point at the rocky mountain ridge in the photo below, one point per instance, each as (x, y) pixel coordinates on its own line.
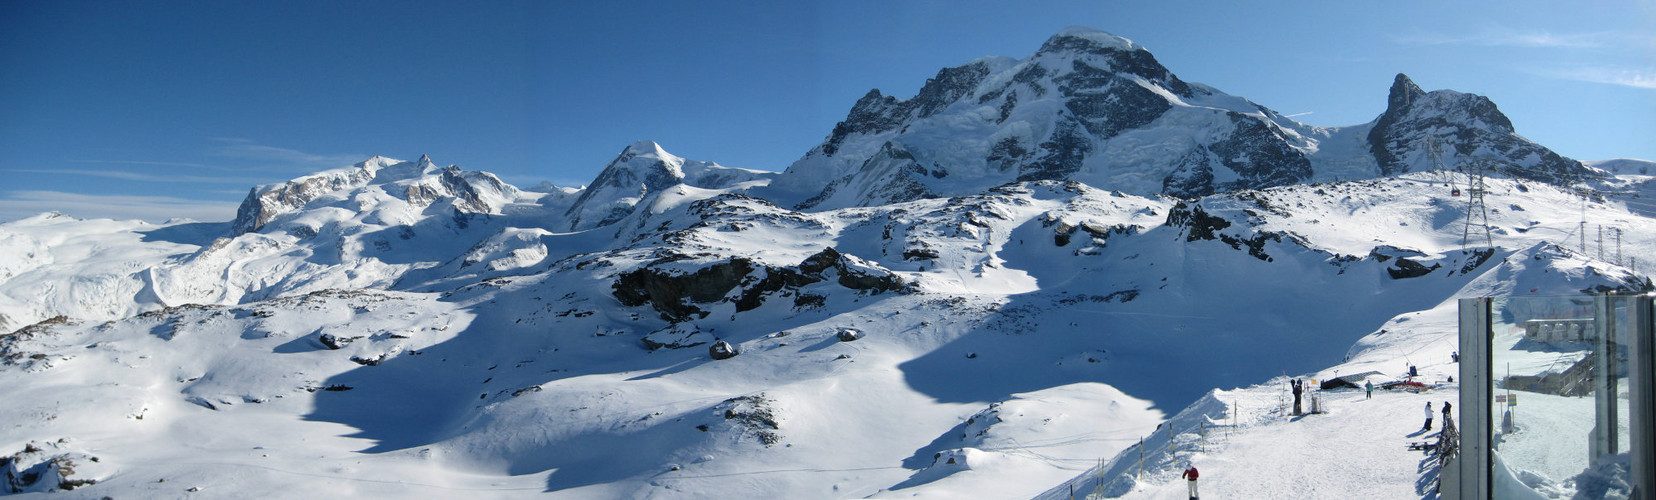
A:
(1097, 108)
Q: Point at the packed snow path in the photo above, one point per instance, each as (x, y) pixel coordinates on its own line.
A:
(1356, 448)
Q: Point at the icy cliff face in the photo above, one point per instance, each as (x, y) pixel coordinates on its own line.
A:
(1467, 128)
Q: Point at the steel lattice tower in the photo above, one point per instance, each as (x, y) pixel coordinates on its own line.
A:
(1476, 213)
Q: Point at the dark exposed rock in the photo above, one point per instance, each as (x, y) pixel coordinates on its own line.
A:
(876, 112)
(1403, 94)
(1107, 103)
(1007, 153)
(1468, 128)
(1192, 177)
(1136, 62)
(753, 415)
(722, 350)
(1477, 258)
(675, 336)
(1260, 155)
(1198, 224)
(674, 294)
(335, 342)
(1059, 156)
(1256, 244)
(667, 292)
(1406, 268)
(920, 253)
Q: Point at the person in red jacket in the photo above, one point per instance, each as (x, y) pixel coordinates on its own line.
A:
(1191, 475)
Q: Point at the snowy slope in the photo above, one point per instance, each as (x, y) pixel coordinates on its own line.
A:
(1247, 443)
(55, 265)
(999, 329)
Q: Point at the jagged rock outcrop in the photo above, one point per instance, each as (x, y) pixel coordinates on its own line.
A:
(1467, 128)
(676, 293)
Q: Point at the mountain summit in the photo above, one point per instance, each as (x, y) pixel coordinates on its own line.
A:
(1467, 127)
(640, 170)
(1097, 108)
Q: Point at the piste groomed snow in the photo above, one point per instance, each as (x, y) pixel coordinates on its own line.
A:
(1072, 273)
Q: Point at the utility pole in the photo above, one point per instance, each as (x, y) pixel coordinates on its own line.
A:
(1601, 242)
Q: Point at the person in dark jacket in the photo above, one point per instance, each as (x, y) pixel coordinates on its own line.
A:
(1369, 386)
(1297, 391)
(1446, 407)
(1191, 475)
(1428, 417)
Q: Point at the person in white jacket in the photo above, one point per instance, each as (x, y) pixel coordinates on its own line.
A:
(1428, 417)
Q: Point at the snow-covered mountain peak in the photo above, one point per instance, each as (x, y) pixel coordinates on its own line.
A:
(1097, 108)
(419, 183)
(640, 170)
(1083, 36)
(1466, 128)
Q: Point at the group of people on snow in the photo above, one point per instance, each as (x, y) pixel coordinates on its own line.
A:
(1446, 409)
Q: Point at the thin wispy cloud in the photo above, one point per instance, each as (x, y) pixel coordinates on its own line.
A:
(21, 204)
(1507, 37)
(285, 158)
(1644, 78)
(143, 177)
(256, 161)
(150, 163)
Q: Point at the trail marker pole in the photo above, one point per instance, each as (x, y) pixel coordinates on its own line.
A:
(1203, 447)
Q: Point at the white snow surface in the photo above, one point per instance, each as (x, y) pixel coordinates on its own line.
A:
(1025, 333)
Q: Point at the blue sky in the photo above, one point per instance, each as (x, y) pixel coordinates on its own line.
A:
(157, 109)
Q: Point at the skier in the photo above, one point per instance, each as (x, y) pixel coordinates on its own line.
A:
(1191, 475)
(1297, 391)
(1369, 386)
(1428, 417)
(1446, 407)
